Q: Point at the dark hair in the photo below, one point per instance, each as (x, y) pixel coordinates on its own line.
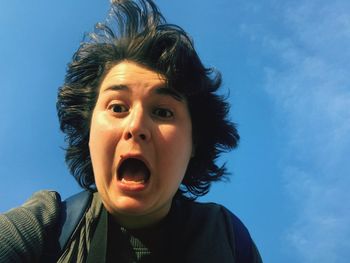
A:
(137, 31)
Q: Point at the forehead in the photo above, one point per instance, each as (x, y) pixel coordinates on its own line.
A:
(131, 74)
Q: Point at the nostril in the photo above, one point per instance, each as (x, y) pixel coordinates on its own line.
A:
(128, 135)
(142, 136)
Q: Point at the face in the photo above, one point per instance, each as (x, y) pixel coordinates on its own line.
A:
(140, 144)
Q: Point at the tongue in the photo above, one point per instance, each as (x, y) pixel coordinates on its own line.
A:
(138, 177)
(133, 170)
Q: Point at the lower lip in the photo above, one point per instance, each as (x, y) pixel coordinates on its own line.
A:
(132, 187)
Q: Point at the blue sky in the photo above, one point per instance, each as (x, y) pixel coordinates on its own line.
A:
(285, 65)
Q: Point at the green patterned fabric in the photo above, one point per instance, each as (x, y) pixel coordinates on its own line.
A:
(27, 231)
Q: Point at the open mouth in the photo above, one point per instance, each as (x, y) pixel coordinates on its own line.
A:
(133, 170)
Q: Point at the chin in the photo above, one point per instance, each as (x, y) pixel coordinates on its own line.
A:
(128, 206)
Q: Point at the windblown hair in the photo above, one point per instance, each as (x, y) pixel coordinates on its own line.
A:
(137, 31)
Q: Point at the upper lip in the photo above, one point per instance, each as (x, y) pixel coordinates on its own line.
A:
(138, 156)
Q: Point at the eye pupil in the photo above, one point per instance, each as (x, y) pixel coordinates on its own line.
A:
(163, 113)
(118, 108)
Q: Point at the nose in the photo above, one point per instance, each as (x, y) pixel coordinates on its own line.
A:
(137, 127)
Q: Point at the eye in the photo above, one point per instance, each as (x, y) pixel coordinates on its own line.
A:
(118, 108)
(163, 113)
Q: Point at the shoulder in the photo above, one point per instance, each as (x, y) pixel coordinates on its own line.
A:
(42, 207)
(215, 219)
(215, 214)
(25, 229)
(215, 222)
(211, 211)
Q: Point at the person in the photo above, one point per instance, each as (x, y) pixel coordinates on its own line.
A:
(144, 127)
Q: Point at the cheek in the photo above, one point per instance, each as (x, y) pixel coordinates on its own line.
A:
(176, 147)
(102, 142)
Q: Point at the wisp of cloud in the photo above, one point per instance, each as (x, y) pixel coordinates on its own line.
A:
(312, 92)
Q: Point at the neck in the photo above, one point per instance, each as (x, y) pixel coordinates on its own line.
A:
(141, 221)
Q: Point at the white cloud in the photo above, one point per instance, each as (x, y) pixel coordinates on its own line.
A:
(311, 85)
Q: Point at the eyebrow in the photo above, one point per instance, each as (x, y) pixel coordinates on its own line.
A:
(118, 88)
(169, 92)
(162, 90)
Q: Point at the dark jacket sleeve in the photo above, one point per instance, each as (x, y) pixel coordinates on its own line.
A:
(241, 242)
(26, 231)
(211, 233)
(256, 255)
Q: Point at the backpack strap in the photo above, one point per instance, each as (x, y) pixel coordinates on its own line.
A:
(72, 211)
(243, 241)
